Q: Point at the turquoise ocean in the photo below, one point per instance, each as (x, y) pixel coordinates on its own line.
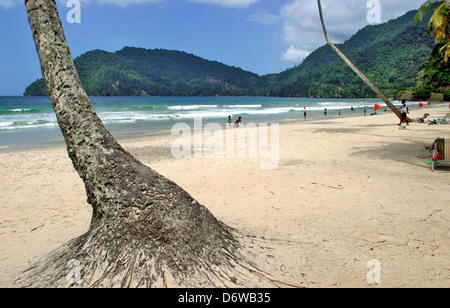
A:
(30, 122)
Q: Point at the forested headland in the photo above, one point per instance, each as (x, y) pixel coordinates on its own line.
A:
(398, 56)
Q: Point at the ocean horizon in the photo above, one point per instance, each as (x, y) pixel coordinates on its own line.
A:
(28, 122)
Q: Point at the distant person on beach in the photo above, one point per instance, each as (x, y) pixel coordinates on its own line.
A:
(325, 112)
(405, 111)
(230, 121)
(304, 113)
(365, 110)
(238, 122)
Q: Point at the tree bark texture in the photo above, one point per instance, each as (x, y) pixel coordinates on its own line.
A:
(356, 69)
(145, 231)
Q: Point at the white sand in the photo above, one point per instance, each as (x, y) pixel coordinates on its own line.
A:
(346, 191)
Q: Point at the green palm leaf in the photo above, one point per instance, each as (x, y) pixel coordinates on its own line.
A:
(439, 23)
(423, 10)
(445, 50)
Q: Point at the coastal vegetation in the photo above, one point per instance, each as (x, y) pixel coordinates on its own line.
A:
(390, 54)
(141, 72)
(396, 56)
(434, 75)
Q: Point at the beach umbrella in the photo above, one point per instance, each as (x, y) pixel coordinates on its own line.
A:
(421, 105)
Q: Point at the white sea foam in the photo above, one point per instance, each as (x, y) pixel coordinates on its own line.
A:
(243, 106)
(26, 125)
(20, 110)
(190, 107)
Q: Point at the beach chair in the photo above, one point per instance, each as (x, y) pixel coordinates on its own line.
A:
(444, 120)
(441, 153)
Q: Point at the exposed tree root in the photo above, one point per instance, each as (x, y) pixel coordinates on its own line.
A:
(128, 266)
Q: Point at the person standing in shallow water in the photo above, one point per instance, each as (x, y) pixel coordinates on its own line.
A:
(304, 113)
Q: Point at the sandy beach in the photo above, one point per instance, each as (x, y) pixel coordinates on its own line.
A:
(345, 191)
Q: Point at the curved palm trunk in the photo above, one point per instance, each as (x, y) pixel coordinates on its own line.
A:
(145, 230)
(354, 68)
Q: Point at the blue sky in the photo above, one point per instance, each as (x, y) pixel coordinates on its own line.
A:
(261, 36)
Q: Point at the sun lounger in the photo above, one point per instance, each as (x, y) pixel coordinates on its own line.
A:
(441, 152)
(444, 120)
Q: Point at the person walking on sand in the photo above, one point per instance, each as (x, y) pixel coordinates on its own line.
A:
(325, 112)
(365, 110)
(304, 113)
(230, 121)
(405, 112)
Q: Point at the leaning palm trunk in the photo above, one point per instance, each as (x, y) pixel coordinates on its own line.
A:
(145, 231)
(355, 69)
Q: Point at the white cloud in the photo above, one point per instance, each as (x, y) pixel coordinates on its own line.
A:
(295, 55)
(121, 3)
(124, 3)
(265, 18)
(238, 4)
(9, 3)
(302, 30)
(225, 3)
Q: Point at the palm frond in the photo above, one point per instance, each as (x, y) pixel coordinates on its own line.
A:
(426, 7)
(445, 51)
(438, 24)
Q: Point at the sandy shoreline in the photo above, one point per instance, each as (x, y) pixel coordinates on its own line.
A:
(346, 191)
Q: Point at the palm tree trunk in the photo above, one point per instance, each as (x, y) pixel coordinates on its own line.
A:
(145, 231)
(354, 68)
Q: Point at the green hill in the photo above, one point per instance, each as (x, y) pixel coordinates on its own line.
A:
(434, 76)
(136, 71)
(390, 54)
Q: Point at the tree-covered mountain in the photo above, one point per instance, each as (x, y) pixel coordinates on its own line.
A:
(390, 54)
(434, 76)
(137, 71)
